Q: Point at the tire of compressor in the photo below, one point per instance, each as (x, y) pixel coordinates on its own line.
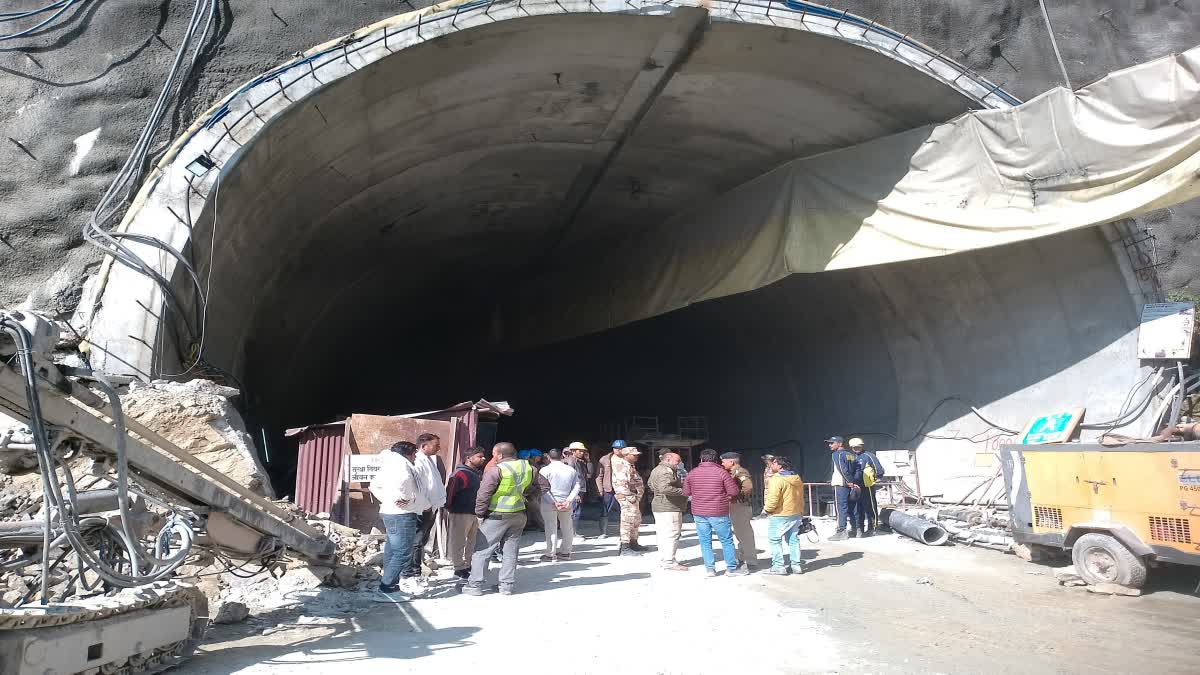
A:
(1131, 570)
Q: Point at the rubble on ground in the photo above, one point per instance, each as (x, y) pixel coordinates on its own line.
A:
(321, 589)
(198, 417)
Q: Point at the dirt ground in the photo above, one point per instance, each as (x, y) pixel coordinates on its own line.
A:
(859, 608)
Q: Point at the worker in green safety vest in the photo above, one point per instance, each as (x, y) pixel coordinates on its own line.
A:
(504, 491)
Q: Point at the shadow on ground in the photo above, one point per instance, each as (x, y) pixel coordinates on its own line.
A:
(403, 634)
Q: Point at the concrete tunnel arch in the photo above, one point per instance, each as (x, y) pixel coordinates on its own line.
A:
(371, 198)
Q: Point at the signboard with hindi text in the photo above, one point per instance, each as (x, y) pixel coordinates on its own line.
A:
(363, 468)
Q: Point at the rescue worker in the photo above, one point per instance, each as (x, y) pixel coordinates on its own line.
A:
(504, 493)
(785, 507)
(402, 500)
(575, 456)
(872, 472)
(668, 506)
(534, 514)
(847, 487)
(740, 510)
(628, 490)
(711, 487)
(460, 509)
(432, 475)
(604, 486)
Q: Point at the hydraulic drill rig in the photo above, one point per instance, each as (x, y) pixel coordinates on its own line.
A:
(119, 546)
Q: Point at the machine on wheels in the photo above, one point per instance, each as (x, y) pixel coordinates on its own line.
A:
(1116, 509)
(114, 550)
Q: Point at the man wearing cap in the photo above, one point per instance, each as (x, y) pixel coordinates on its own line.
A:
(740, 510)
(460, 510)
(628, 489)
(573, 456)
(872, 471)
(668, 506)
(847, 487)
(604, 486)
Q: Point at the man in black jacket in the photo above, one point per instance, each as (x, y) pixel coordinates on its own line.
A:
(460, 509)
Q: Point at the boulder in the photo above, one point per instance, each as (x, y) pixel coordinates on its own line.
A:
(230, 611)
(198, 417)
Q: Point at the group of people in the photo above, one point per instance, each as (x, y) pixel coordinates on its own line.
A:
(856, 473)
(489, 500)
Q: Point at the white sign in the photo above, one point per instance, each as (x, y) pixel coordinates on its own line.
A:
(1166, 331)
(363, 468)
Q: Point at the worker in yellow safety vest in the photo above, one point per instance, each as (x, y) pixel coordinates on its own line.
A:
(504, 491)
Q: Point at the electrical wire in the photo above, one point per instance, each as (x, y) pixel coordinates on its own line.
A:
(212, 249)
(14, 16)
(925, 422)
(67, 514)
(95, 229)
(63, 6)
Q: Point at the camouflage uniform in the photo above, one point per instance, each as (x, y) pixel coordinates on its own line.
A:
(628, 486)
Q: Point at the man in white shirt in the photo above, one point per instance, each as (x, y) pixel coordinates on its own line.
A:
(434, 482)
(402, 498)
(561, 489)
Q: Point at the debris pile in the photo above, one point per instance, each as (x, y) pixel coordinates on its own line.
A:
(353, 547)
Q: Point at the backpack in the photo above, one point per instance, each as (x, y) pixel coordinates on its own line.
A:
(872, 470)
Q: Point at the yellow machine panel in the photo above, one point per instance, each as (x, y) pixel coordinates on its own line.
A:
(1151, 490)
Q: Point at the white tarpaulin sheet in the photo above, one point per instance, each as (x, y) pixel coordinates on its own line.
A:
(1126, 145)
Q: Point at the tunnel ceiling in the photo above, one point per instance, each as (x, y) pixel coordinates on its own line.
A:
(454, 166)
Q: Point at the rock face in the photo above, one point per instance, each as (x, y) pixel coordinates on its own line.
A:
(198, 417)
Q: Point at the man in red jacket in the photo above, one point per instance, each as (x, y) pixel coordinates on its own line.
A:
(711, 487)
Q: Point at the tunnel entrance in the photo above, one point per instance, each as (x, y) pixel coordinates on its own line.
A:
(361, 215)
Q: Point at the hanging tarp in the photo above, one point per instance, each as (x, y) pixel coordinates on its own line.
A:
(1126, 145)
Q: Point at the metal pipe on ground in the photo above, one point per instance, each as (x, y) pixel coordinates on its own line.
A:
(920, 529)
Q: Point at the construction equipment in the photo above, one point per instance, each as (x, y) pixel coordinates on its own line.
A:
(1116, 509)
(120, 544)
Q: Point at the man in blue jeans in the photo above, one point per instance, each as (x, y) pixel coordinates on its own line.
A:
(711, 487)
(846, 480)
(784, 505)
(608, 499)
(402, 499)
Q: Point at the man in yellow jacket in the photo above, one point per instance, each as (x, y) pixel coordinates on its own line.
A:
(785, 507)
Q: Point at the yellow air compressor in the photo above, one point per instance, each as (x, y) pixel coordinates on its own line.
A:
(1115, 509)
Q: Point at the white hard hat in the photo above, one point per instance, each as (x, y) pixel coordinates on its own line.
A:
(856, 442)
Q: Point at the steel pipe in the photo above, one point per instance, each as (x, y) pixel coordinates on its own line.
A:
(920, 529)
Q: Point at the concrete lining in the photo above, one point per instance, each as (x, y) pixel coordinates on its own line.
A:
(868, 83)
(375, 203)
